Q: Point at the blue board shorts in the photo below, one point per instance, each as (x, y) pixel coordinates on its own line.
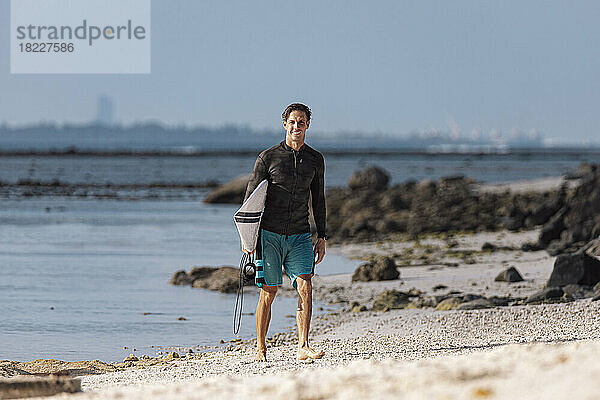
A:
(293, 252)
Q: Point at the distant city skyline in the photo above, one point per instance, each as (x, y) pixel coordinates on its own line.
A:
(390, 68)
(99, 135)
(105, 113)
(105, 116)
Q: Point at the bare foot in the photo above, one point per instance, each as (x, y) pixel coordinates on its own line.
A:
(261, 355)
(306, 352)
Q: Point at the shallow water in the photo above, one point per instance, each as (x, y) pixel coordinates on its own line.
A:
(102, 264)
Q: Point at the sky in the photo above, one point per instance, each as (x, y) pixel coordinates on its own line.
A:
(388, 67)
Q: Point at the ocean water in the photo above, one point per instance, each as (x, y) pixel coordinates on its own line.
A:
(77, 275)
(339, 167)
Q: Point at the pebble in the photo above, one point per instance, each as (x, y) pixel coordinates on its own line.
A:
(131, 357)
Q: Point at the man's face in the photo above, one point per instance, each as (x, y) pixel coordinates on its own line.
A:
(296, 126)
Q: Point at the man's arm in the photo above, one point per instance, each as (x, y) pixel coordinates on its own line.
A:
(259, 174)
(317, 189)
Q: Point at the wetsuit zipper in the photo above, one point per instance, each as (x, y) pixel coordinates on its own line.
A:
(287, 229)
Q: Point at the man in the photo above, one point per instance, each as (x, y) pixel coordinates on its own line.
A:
(294, 171)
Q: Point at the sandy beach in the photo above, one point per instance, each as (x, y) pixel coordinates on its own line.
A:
(533, 371)
(531, 351)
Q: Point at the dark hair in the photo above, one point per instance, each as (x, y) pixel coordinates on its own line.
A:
(296, 107)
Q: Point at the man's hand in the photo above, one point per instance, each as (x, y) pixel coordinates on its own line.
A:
(319, 250)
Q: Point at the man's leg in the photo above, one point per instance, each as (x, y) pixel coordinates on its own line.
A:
(303, 316)
(263, 317)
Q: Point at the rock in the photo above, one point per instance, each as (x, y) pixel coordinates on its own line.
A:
(500, 301)
(389, 225)
(130, 357)
(578, 220)
(391, 299)
(180, 278)
(395, 199)
(530, 246)
(231, 192)
(487, 246)
(453, 299)
(454, 205)
(381, 268)
(358, 308)
(592, 249)
(223, 279)
(173, 355)
(359, 223)
(200, 272)
(368, 209)
(476, 304)
(470, 297)
(548, 294)
(575, 292)
(373, 178)
(439, 287)
(450, 303)
(516, 219)
(427, 301)
(578, 268)
(541, 213)
(356, 224)
(204, 274)
(552, 229)
(557, 247)
(509, 275)
(584, 169)
(22, 387)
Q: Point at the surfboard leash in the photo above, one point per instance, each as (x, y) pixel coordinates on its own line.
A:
(246, 268)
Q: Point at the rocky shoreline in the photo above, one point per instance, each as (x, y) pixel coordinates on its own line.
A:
(26, 188)
(565, 217)
(472, 272)
(369, 209)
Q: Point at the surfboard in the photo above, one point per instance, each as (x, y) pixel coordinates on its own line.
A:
(247, 218)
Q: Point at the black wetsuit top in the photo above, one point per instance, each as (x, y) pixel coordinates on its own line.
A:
(293, 176)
